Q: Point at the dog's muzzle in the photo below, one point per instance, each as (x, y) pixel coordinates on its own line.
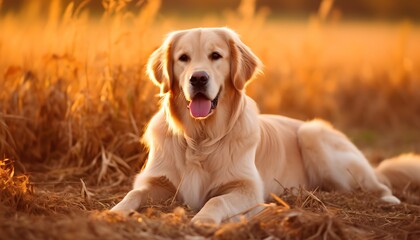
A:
(199, 80)
(201, 106)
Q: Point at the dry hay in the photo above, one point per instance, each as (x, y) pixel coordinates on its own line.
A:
(71, 209)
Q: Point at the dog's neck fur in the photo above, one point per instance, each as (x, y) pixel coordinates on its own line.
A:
(201, 135)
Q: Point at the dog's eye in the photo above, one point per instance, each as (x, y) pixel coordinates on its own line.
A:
(184, 58)
(215, 56)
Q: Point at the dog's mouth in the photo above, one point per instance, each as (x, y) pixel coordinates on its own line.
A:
(201, 106)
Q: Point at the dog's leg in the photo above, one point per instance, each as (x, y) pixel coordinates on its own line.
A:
(232, 199)
(153, 189)
(332, 161)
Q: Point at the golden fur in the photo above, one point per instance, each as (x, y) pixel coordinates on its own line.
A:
(231, 159)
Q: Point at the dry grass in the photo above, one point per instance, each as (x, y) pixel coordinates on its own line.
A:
(74, 101)
(69, 210)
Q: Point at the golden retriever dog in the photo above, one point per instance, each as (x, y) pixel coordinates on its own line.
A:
(210, 148)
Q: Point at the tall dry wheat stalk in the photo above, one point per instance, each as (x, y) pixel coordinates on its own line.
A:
(74, 94)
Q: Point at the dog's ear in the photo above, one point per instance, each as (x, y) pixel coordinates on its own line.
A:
(244, 63)
(159, 65)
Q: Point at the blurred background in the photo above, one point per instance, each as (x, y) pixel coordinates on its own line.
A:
(74, 95)
(374, 9)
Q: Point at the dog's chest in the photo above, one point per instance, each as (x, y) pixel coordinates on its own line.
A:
(197, 174)
(194, 185)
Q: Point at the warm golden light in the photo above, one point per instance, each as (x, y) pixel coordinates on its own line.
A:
(74, 99)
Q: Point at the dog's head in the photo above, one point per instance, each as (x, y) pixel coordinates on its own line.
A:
(201, 64)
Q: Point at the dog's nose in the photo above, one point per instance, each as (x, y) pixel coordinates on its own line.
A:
(199, 79)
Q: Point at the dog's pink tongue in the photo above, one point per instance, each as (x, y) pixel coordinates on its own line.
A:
(200, 107)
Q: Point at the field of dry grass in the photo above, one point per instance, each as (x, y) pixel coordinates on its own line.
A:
(74, 101)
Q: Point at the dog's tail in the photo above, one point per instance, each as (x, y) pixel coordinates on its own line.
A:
(400, 172)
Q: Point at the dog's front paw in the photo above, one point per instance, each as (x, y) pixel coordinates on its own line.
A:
(122, 211)
(205, 221)
(391, 199)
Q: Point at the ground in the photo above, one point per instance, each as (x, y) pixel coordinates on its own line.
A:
(44, 208)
